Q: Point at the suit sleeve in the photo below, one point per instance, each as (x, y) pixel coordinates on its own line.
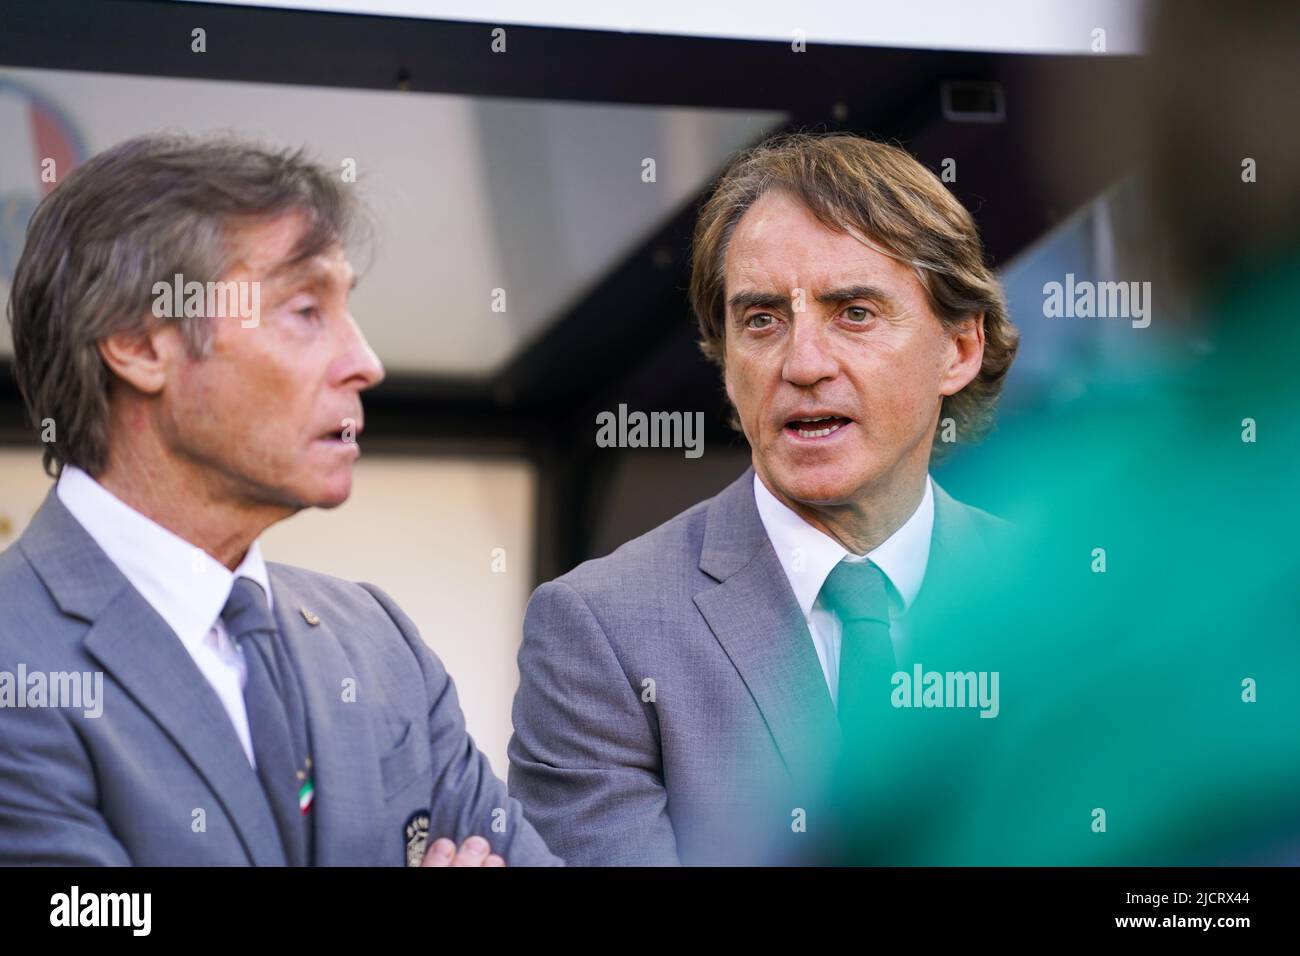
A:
(467, 795)
(584, 758)
(48, 803)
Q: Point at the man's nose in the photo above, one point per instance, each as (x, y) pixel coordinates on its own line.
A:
(362, 368)
(808, 359)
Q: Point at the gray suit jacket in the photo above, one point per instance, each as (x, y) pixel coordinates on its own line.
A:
(160, 777)
(671, 706)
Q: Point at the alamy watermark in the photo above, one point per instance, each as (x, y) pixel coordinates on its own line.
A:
(75, 908)
(76, 690)
(1102, 300)
(215, 300)
(922, 688)
(626, 429)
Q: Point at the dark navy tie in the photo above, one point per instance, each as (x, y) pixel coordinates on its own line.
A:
(276, 716)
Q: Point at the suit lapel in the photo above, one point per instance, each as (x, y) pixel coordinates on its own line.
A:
(134, 644)
(142, 653)
(754, 615)
(345, 759)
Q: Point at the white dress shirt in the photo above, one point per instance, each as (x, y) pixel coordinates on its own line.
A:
(808, 556)
(184, 584)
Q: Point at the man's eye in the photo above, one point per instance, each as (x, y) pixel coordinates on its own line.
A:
(309, 312)
(857, 313)
(760, 320)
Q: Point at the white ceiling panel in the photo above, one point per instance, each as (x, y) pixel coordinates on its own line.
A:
(538, 198)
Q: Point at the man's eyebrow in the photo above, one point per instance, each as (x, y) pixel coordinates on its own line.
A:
(851, 292)
(753, 298)
(306, 273)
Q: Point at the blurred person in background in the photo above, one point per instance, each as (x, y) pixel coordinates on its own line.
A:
(1147, 634)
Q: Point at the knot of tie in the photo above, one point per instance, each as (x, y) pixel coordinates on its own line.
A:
(247, 610)
(856, 591)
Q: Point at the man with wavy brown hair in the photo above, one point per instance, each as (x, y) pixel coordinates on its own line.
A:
(682, 699)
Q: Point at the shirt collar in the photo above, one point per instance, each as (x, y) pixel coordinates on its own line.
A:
(808, 555)
(184, 584)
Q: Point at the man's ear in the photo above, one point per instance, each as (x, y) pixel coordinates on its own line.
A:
(142, 359)
(967, 354)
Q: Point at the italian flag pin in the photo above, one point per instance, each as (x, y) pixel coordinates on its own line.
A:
(305, 795)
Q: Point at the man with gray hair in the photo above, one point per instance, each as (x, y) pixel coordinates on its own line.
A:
(182, 334)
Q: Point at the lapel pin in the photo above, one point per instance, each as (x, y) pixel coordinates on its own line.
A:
(309, 617)
(417, 837)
